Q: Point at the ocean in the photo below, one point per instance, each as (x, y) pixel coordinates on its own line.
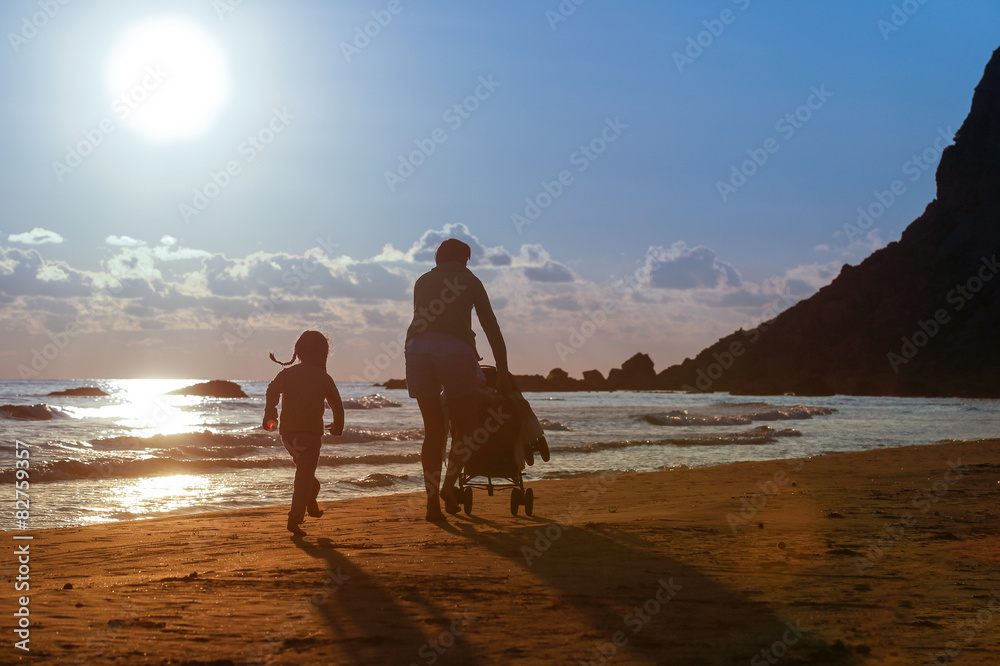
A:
(139, 453)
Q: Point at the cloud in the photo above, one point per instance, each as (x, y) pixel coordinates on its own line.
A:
(681, 267)
(550, 271)
(168, 240)
(164, 253)
(123, 241)
(36, 236)
(423, 250)
(26, 273)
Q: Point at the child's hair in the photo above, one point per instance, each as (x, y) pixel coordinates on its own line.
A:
(312, 347)
(452, 250)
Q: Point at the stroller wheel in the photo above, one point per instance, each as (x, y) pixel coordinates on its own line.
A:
(529, 501)
(515, 500)
(529, 455)
(467, 500)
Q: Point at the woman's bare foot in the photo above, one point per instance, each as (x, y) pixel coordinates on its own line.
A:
(450, 499)
(434, 515)
(293, 527)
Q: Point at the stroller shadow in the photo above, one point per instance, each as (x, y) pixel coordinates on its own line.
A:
(366, 618)
(620, 581)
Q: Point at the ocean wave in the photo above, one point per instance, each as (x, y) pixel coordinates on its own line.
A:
(204, 440)
(364, 435)
(118, 468)
(39, 412)
(378, 480)
(553, 425)
(746, 413)
(758, 436)
(374, 401)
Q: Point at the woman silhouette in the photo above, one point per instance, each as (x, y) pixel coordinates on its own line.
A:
(441, 353)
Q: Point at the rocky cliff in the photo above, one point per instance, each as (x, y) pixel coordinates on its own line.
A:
(919, 317)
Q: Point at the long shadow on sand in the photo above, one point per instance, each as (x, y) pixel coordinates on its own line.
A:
(622, 582)
(369, 624)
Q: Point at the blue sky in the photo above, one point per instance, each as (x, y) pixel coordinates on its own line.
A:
(146, 258)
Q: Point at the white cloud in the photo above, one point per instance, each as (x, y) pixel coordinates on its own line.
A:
(550, 271)
(681, 267)
(36, 236)
(123, 241)
(168, 240)
(166, 254)
(52, 273)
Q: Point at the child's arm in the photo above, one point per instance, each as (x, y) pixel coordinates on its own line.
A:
(333, 397)
(271, 404)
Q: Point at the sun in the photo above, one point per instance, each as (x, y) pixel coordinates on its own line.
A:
(168, 78)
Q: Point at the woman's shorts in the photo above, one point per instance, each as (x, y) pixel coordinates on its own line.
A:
(427, 374)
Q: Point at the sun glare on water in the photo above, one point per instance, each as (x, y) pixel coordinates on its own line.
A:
(148, 409)
(168, 78)
(161, 494)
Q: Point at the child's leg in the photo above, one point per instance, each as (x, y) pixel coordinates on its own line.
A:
(304, 447)
(313, 507)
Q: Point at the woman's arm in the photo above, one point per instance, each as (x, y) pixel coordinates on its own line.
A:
(488, 320)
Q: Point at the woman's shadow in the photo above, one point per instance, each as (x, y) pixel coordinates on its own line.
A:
(654, 605)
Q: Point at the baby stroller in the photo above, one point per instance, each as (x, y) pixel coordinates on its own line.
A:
(507, 436)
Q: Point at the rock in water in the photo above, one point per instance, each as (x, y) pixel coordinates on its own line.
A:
(217, 388)
(917, 318)
(84, 391)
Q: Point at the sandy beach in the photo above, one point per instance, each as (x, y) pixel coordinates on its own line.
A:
(883, 557)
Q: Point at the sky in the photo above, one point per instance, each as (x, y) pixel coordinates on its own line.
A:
(188, 185)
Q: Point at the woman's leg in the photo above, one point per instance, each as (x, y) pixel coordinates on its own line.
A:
(464, 412)
(432, 451)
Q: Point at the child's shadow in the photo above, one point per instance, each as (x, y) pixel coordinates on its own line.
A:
(367, 619)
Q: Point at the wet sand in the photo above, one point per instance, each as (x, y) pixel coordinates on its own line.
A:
(883, 557)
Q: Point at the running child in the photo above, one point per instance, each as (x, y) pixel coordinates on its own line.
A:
(303, 388)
